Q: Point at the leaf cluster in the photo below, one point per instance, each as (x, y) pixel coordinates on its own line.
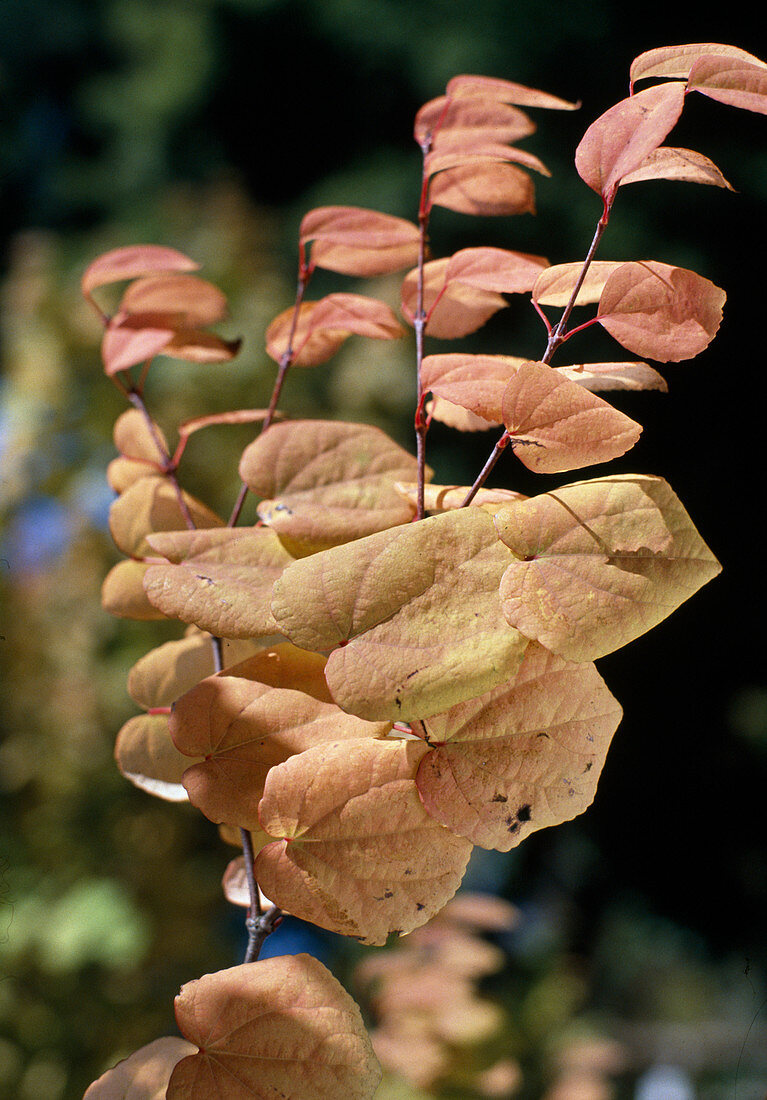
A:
(382, 671)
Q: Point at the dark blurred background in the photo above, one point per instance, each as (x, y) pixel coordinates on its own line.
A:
(213, 126)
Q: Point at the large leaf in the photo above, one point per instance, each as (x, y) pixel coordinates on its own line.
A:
(521, 757)
(218, 579)
(677, 61)
(278, 1027)
(241, 728)
(599, 563)
(453, 308)
(486, 189)
(323, 326)
(360, 855)
(147, 757)
(324, 482)
(150, 505)
(414, 614)
(355, 241)
(465, 122)
(738, 83)
(625, 135)
(659, 311)
(144, 1075)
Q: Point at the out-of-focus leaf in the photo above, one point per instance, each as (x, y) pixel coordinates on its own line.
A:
(599, 563)
(151, 505)
(146, 756)
(219, 579)
(323, 326)
(659, 311)
(278, 1027)
(326, 482)
(134, 438)
(241, 729)
(144, 1075)
(505, 91)
(191, 302)
(624, 136)
(123, 595)
(355, 241)
(133, 262)
(360, 856)
(522, 757)
(405, 608)
(557, 425)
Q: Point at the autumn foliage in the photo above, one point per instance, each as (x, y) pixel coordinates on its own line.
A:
(384, 671)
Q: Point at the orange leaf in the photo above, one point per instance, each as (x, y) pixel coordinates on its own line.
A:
(667, 163)
(557, 425)
(467, 153)
(732, 81)
(129, 340)
(278, 1027)
(150, 505)
(123, 595)
(354, 241)
(659, 311)
(555, 285)
(505, 91)
(454, 416)
(324, 326)
(190, 301)
(460, 124)
(677, 61)
(476, 382)
(485, 189)
(524, 756)
(453, 309)
(132, 262)
(134, 439)
(495, 269)
(201, 347)
(598, 563)
(360, 856)
(159, 677)
(142, 1076)
(614, 376)
(147, 757)
(241, 729)
(624, 136)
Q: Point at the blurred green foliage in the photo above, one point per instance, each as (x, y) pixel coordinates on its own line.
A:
(212, 125)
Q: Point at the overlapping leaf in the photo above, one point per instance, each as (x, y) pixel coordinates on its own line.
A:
(614, 376)
(241, 729)
(413, 611)
(624, 136)
(521, 757)
(465, 122)
(323, 327)
(144, 1075)
(132, 262)
(219, 579)
(278, 1027)
(487, 189)
(445, 498)
(355, 241)
(123, 595)
(505, 91)
(660, 311)
(730, 80)
(476, 382)
(666, 163)
(360, 855)
(599, 563)
(149, 505)
(162, 675)
(677, 61)
(147, 757)
(325, 482)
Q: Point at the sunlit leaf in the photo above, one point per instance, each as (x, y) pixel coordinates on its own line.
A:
(486, 189)
(355, 241)
(522, 757)
(454, 416)
(323, 327)
(150, 505)
(139, 437)
(729, 80)
(360, 856)
(219, 579)
(444, 498)
(624, 136)
(614, 376)
(159, 677)
(557, 425)
(286, 666)
(190, 301)
(659, 311)
(147, 757)
(144, 1075)
(453, 308)
(324, 482)
(235, 880)
(676, 61)
(278, 1027)
(406, 608)
(129, 340)
(476, 382)
(667, 163)
(495, 269)
(132, 262)
(467, 154)
(241, 729)
(465, 122)
(555, 285)
(598, 563)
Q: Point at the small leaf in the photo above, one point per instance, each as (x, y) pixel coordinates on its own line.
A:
(495, 269)
(151, 505)
(278, 1027)
(666, 163)
(505, 91)
(355, 241)
(445, 498)
(561, 425)
(555, 285)
(485, 189)
(463, 123)
(134, 439)
(454, 416)
(129, 340)
(144, 1075)
(659, 311)
(598, 563)
(453, 309)
(189, 301)
(219, 579)
(201, 347)
(738, 83)
(624, 136)
(132, 262)
(360, 856)
(325, 325)
(677, 61)
(123, 595)
(147, 757)
(524, 756)
(614, 376)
